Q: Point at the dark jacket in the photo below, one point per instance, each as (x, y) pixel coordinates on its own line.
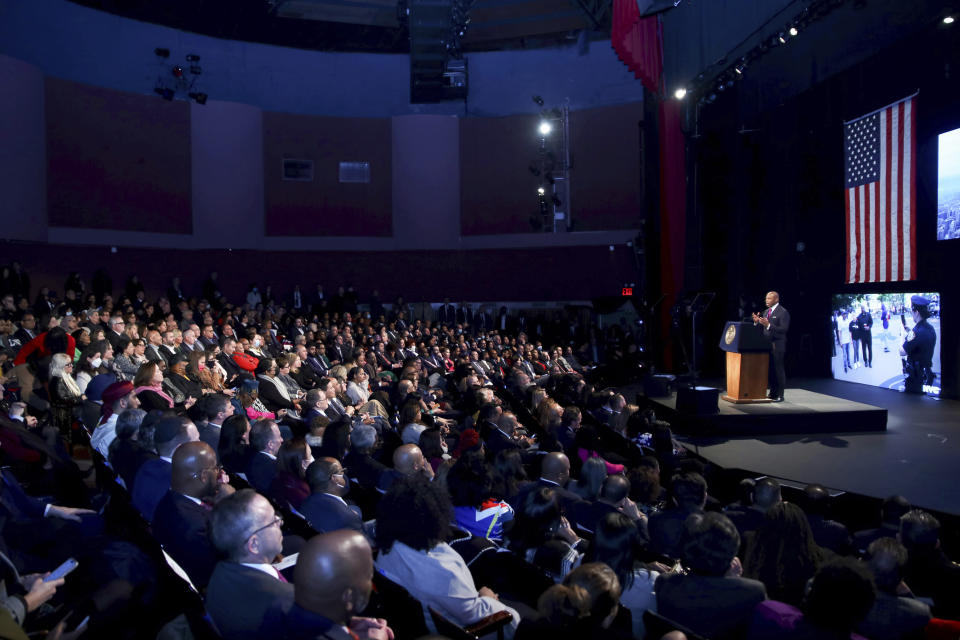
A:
(239, 597)
(183, 528)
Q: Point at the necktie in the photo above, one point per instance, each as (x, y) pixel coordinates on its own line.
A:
(280, 575)
(769, 312)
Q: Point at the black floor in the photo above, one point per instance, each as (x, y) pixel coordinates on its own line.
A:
(918, 455)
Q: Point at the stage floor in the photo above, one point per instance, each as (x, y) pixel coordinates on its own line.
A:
(917, 455)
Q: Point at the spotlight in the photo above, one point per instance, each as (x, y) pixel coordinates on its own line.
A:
(948, 20)
(161, 52)
(739, 69)
(199, 98)
(545, 128)
(680, 93)
(793, 31)
(541, 191)
(781, 38)
(538, 100)
(164, 92)
(192, 57)
(177, 71)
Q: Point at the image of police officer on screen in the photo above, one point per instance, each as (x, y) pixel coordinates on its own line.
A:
(918, 348)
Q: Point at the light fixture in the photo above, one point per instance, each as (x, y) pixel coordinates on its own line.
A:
(948, 20)
(781, 38)
(541, 191)
(680, 93)
(793, 31)
(545, 128)
(177, 71)
(739, 69)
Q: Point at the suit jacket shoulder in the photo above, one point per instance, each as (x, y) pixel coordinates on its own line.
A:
(326, 513)
(239, 597)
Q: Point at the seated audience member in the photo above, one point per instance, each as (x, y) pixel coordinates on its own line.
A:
(244, 586)
(689, 493)
(563, 615)
(289, 485)
(408, 460)
(362, 467)
(614, 498)
(336, 440)
(148, 385)
(896, 614)
(116, 398)
(474, 509)
(325, 508)
(315, 404)
(265, 441)
(892, 509)
(249, 397)
(766, 494)
(554, 474)
(603, 589)
(509, 476)
(181, 521)
(782, 554)
(929, 572)
(273, 392)
(316, 427)
(840, 595)
(827, 533)
(712, 599)
(645, 489)
(333, 581)
(589, 483)
(153, 479)
(217, 408)
(125, 454)
(65, 395)
(543, 536)
(617, 543)
(178, 384)
(233, 447)
(434, 447)
(413, 522)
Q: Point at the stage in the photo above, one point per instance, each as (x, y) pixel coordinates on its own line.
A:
(916, 456)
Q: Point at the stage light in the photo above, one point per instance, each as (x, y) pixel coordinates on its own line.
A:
(177, 71)
(680, 93)
(545, 128)
(739, 69)
(793, 31)
(948, 20)
(541, 191)
(781, 38)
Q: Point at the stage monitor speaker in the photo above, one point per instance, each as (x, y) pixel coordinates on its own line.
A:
(697, 401)
(659, 386)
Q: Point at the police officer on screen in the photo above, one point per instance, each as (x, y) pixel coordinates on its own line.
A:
(918, 348)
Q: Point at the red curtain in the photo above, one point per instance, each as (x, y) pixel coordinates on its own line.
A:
(637, 42)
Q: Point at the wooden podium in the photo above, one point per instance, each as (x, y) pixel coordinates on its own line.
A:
(748, 362)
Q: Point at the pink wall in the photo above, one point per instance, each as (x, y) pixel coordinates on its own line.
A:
(116, 160)
(325, 207)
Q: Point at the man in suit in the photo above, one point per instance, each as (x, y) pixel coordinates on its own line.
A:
(667, 526)
(713, 600)
(893, 615)
(154, 343)
(891, 510)
(234, 371)
(325, 509)
(766, 494)
(182, 520)
(333, 581)
(265, 439)
(153, 478)
(246, 531)
(28, 328)
(554, 474)
(776, 323)
(115, 332)
(217, 408)
(168, 348)
(363, 468)
(446, 313)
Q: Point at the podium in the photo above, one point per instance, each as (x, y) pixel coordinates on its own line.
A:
(748, 362)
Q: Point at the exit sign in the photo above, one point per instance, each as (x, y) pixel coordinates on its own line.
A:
(627, 291)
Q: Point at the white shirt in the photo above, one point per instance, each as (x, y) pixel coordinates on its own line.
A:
(268, 569)
(104, 434)
(439, 578)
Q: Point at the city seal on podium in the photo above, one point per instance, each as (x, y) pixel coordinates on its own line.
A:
(731, 333)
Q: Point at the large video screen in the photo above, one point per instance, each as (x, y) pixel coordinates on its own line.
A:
(948, 185)
(869, 336)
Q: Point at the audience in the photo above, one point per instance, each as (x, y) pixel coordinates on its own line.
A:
(325, 509)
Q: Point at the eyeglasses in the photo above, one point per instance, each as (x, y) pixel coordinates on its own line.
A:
(276, 521)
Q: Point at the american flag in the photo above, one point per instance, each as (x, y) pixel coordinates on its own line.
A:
(880, 151)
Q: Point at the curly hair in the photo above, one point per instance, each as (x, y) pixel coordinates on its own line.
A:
(415, 512)
(783, 554)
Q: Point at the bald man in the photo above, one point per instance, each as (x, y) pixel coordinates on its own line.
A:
(775, 322)
(554, 474)
(408, 460)
(181, 522)
(333, 580)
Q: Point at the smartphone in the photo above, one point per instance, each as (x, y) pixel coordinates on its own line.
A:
(62, 570)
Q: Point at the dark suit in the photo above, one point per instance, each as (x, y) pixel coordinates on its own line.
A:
(210, 433)
(152, 354)
(715, 607)
(667, 529)
(326, 513)
(150, 485)
(776, 333)
(446, 314)
(260, 472)
(239, 597)
(363, 469)
(183, 528)
(497, 441)
(894, 618)
(567, 498)
(127, 458)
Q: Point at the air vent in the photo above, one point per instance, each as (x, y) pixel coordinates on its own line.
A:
(355, 172)
(298, 170)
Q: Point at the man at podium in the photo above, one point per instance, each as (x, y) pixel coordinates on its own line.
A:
(775, 322)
